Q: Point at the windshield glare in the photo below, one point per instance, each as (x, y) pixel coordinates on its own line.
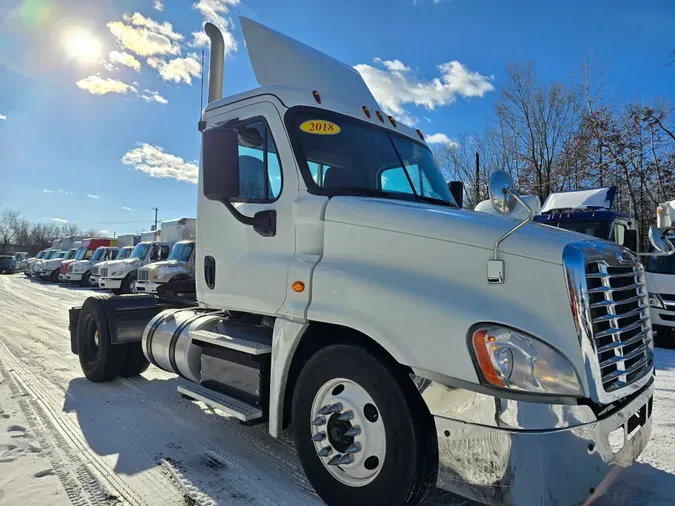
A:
(140, 251)
(181, 252)
(97, 254)
(362, 159)
(48, 255)
(40, 255)
(79, 255)
(124, 253)
(60, 254)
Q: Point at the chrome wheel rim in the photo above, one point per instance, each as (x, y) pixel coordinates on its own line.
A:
(348, 433)
(132, 286)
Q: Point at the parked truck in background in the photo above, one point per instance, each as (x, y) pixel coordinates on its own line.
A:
(21, 260)
(660, 278)
(31, 261)
(36, 266)
(90, 252)
(126, 244)
(50, 269)
(7, 264)
(407, 343)
(71, 257)
(181, 262)
(120, 277)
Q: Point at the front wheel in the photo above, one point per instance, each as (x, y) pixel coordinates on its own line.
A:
(55, 276)
(85, 279)
(128, 285)
(363, 434)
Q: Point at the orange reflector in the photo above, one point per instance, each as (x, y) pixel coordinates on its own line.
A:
(298, 286)
(480, 340)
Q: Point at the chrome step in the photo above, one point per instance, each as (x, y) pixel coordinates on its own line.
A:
(228, 405)
(253, 343)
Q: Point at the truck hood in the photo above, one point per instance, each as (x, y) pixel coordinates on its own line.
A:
(660, 283)
(166, 263)
(534, 241)
(127, 263)
(52, 264)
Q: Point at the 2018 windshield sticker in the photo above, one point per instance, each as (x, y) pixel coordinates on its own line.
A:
(320, 127)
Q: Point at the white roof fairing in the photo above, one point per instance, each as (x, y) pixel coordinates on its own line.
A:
(600, 198)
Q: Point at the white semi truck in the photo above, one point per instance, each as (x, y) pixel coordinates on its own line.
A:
(49, 269)
(408, 343)
(126, 244)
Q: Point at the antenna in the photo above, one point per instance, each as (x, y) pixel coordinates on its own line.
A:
(156, 209)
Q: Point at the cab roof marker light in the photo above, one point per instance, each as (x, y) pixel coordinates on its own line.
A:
(419, 132)
(366, 110)
(317, 97)
(379, 116)
(392, 121)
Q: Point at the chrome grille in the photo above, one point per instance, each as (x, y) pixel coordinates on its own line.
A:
(620, 320)
(70, 268)
(103, 272)
(94, 270)
(142, 275)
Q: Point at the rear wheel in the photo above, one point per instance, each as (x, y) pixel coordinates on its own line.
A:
(100, 360)
(362, 433)
(135, 362)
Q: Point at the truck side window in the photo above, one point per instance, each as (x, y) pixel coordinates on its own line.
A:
(619, 232)
(164, 253)
(259, 164)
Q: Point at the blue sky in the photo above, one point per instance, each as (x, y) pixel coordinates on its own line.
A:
(83, 135)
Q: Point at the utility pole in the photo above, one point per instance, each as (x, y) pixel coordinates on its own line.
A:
(156, 209)
(477, 187)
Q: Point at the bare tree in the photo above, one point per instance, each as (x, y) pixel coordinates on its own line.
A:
(8, 220)
(68, 229)
(43, 234)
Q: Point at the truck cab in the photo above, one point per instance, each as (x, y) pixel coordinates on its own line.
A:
(179, 266)
(31, 261)
(21, 260)
(407, 343)
(122, 254)
(36, 268)
(90, 253)
(49, 269)
(120, 276)
(7, 264)
(589, 212)
(70, 258)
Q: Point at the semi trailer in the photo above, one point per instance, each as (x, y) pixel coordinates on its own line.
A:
(340, 292)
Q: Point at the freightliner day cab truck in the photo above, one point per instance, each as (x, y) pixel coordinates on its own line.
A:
(90, 252)
(126, 244)
(49, 269)
(407, 342)
(120, 276)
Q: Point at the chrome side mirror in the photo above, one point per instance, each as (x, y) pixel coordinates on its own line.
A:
(502, 192)
(659, 242)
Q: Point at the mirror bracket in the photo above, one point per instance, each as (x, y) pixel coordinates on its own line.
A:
(666, 243)
(263, 222)
(496, 266)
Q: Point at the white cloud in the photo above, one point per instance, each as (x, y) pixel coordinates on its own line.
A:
(155, 162)
(103, 232)
(92, 196)
(64, 192)
(178, 69)
(153, 96)
(396, 85)
(440, 139)
(144, 36)
(96, 85)
(46, 190)
(159, 5)
(60, 220)
(125, 59)
(127, 208)
(2, 117)
(216, 12)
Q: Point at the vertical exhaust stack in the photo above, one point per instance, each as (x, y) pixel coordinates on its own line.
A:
(216, 62)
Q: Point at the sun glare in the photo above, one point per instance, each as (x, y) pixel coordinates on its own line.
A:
(82, 45)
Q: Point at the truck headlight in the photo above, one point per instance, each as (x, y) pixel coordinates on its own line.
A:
(116, 274)
(655, 301)
(510, 359)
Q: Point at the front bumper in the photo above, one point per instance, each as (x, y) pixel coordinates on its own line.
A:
(562, 456)
(110, 283)
(73, 276)
(147, 287)
(662, 317)
(93, 280)
(63, 277)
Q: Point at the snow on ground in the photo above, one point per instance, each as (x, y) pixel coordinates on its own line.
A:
(135, 441)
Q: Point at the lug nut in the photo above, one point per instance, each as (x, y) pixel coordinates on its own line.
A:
(319, 421)
(353, 448)
(354, 431)
(329, 410)
(319, 436)
(325, 452)
(346, 416)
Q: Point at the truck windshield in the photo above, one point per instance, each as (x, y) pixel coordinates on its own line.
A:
(71, 254)
(48, 255)
(661, 265)
(181, 252)
(124, 253)
(59, 254)
(595, 228)
(140, 251)
(339, 155)
(40, 255)
(81, 252)
(97, 254)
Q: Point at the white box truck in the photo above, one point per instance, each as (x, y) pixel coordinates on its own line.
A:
(180, 266)
(341, 292)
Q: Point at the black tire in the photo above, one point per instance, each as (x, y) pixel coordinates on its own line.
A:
(135, 362)
(126, 283)
(55, 276)
(410, 466)
(85, 279)
(103, 361)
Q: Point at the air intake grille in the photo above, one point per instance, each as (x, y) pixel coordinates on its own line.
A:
(103, 273)
(619, 317)
(94, 271)
(142, 275)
